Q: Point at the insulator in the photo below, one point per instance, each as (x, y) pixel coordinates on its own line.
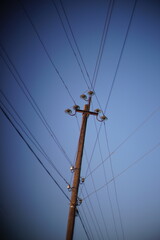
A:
(90, 93)
(75, 107)
(83, 96)
(72, 168)
(79, 201)
(103, 118)
(97, 110)
(69, 111)
(82, 179)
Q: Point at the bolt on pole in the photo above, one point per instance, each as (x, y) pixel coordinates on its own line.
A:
(77, 167)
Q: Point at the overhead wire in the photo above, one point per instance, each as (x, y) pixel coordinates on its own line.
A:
(100, 53)
(99, 205)
(95, 217)
(35, 142)
(131, 165)
(102, 43)
(91, 217)
(32, 101)
(121, 53)
(114, 183)
(94, 81)
(128, 137)
(89, 163)
(76, 44)
(31, 149)
(105, 176)
(75, 41)
(83, 226)
(70, 43)
(45, 49)
(87, 221)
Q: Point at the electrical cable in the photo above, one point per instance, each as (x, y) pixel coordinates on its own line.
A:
(92, 152)
(45, 49)
(114, 183)
(32, 101)
(99, 205)
(70, 43)
(105, 176)
(127, 138)
(89, 227)
(22, 137)
(95, 217)
(103, 40)
(121, 53)
(83, 226)
(36, 143)
(92, 218)
(74, 39)
(131, 165)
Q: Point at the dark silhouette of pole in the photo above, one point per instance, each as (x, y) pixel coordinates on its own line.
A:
(77, 171)
(77, 167)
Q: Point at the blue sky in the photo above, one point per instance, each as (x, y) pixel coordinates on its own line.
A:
(121, 197)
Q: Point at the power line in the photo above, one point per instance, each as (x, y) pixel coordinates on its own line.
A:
(70, 43)
(36, 143)
(121, 53)
(131, 165)
(98, 201)
(114, 183)
(105, 176)
(45, 49)
(76, 44)
(83, 226)
(74, 39)
(92, 152)
(89, 227)
(101, 212)
(127, 138)
(91, 217)
(32, 101)
(95, 217)
(103, 40)
(30, 148)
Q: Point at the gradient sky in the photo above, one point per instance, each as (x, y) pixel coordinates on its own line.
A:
(31, 204)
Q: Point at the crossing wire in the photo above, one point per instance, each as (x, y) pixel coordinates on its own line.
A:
(76, 44)
(70, 43)
(74, 39)
(99, 232)
(121, 53)
(131, 165)
(128, 137)
(30, 148)
(130, 21)
(103, 40)
(99, 205)
(83, 226)
(32, 101)
(105, 176)
(114, 183)
(89, 227)
(35, 142)
(45, 49)
(93, 219)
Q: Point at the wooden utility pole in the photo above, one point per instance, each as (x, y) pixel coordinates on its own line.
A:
(77, 167)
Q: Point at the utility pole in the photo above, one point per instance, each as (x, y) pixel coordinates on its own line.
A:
(77, 168)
